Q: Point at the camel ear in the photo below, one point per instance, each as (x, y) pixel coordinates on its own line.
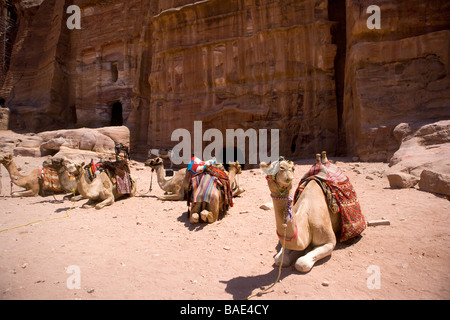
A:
(82, 164)
(264, 165)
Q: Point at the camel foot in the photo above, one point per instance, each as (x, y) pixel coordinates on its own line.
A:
(207, 216)
(194, 218)
(287, 260)
(304, 264)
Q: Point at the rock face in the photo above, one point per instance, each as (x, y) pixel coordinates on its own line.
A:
(422, 157)
(76, 144)
(309, 68)
(399, 73)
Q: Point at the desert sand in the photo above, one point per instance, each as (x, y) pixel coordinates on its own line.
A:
(144, 248)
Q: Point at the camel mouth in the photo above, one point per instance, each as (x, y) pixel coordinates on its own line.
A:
(153, 162)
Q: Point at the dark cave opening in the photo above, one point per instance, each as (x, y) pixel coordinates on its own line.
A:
(337, 14)
(116, 114)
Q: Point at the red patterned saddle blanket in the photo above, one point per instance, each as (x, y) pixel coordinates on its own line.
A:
(340, 195)
(50, 180)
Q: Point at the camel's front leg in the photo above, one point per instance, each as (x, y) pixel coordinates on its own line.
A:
(172, 197)
(24, 193)
(211, 212)
(193, 215)
(107, 202)
(89, 204)
(72, 197)
(289, 257)
(306, 262)
(207, 216)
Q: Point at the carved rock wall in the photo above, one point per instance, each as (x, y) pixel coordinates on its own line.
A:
(156, 66)
(399, 73)
(246, 64)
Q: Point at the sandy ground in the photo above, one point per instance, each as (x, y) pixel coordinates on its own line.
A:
(144, 248)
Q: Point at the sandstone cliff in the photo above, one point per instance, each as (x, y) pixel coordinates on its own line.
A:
(310, 68)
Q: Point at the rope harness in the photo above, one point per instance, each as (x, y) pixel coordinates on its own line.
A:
(287, 217)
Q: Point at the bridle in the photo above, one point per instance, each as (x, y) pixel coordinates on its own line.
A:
(288, 216)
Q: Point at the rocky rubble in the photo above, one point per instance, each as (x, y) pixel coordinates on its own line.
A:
(422, 157)
(76, 144)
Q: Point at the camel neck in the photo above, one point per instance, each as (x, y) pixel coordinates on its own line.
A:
(160, 173)
(232, 175)
(286, 202)
(285, 220)
(11, 168)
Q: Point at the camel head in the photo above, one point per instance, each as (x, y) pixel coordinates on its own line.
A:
(6, 158)
(280, 175)
(74, 169)
(236, 167)
(153, 163)
(54, 163)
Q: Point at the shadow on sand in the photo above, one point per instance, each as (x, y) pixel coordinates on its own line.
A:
(242, 287)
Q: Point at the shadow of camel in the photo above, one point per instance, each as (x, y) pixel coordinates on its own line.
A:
(184, 218)
(242, 287)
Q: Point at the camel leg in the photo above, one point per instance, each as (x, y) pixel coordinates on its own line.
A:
(306, 262)
(289, 257)
(172, 197)
(24, 193)
(194, 216)
(208, 216)
(71, 197)
(89, 204)
(107, 202)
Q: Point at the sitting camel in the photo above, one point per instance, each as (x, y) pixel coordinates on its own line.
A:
(102, 190)
(308, 223)
(67, 181)
(32, 182)
(210, 211)
(176, 187)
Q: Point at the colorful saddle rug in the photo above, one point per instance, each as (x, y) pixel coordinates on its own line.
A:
(123, 184)
(50, 180)
(94, 169)
(202, 187)
(340, 195)
(197, 166)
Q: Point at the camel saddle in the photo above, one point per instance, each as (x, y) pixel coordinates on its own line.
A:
(50, 180)
(340, 196)
(201, 187)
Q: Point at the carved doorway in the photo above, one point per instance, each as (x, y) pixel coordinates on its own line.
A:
(116, 114)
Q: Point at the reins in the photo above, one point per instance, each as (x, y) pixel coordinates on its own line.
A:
(287, 217)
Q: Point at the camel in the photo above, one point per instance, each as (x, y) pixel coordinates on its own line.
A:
(308, 224)
(101, 191)
(162, 153)
(31, 182)
(209, 211)
(67, 181)
(176, 187)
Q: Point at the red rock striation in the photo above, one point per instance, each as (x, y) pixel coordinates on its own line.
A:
(311, 69)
